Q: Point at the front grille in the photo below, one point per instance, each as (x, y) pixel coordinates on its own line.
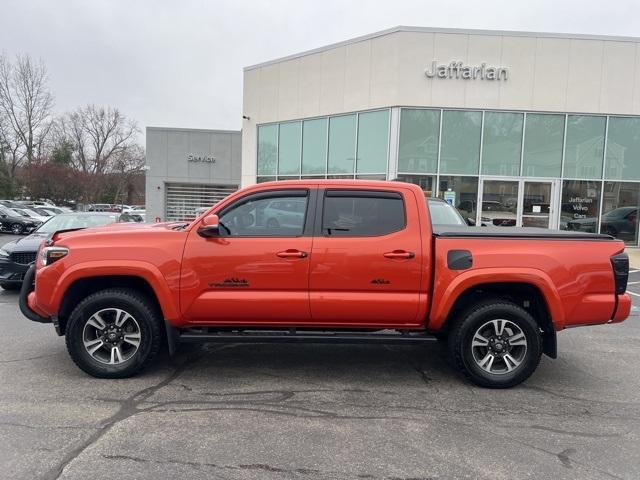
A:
(24, 258)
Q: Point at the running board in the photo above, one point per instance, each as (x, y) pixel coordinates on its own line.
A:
(305, 336)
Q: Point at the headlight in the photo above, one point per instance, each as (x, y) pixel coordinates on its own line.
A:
(48, 255)
(3, 253)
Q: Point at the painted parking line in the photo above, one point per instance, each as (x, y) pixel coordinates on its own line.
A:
(632, 283)
(634, 294)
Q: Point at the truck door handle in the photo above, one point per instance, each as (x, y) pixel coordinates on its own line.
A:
(399, 254)
(292, 253)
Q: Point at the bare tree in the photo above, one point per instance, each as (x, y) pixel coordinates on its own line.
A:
(25, 109)
(101, 137)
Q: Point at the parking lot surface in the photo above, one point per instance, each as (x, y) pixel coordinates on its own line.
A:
(318, 412)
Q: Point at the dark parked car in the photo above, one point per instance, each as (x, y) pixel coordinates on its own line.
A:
(620, 223)
(17, 256)
(13, 222)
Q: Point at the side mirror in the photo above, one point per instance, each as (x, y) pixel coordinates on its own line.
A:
(210, 226)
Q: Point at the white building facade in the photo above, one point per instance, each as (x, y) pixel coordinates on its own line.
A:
(513, 128)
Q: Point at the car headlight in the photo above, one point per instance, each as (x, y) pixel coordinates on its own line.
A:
(3, 253)
(48, 255)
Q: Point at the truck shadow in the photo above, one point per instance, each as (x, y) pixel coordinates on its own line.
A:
(378, 364)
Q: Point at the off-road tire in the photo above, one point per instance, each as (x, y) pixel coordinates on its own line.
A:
(464, 329)
(146, 315)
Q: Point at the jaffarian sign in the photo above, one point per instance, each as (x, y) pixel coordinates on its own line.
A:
(457, 69)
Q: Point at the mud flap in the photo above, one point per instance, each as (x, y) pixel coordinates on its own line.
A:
(550, 344)
(173, 337)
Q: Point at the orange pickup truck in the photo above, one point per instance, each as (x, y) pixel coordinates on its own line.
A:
(347, 261)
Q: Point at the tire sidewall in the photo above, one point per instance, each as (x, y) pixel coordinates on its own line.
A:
(492, 311)
(109, 299)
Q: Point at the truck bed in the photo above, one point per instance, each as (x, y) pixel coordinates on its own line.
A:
(515, 232)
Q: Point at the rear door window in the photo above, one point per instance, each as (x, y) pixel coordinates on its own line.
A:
(362, 213)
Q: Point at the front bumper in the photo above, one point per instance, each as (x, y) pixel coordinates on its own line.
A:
(27, 303)
(11, 272)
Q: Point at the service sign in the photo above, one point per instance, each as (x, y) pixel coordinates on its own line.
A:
(201, 158)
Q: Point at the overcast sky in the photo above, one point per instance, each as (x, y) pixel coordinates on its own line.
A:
(179, 63)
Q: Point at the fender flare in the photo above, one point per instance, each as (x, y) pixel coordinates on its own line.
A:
(476, 278)
(133, 268)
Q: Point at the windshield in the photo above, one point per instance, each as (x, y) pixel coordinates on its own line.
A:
(444, 214)
(18, 212)
(66, 222)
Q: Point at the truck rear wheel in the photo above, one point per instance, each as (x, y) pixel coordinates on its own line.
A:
(114, 333)
(496, 344)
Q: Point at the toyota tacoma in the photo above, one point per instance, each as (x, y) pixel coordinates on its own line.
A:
(345, 261)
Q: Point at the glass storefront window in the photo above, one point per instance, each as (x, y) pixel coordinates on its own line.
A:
(460, 148)
(584, 149)
(580, 205)
(373, 142)
(502, 143)
(426, 182)
(342, 144)
(314, 146)
(267, 149)
(620, 204)
(543, 139)
(371, 177)
(265, 179)
(623, 149)
(500, 203)
(462, 192)
(418, 143)
(289, 148)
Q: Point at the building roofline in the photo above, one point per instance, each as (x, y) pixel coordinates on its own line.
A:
(463, 31)
(182, 129)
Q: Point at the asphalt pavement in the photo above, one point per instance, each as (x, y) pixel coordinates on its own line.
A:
(318, 412)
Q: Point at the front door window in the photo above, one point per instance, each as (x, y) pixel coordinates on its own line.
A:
(499, 206)
(536, 204)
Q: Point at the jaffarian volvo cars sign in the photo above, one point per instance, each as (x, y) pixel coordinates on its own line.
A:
(457, 69)
(201, 158)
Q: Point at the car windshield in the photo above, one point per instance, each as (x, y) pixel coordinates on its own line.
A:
(18, 212)
(443, 213)
(70, 221)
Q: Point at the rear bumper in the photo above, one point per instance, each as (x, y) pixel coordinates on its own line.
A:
(623, 308)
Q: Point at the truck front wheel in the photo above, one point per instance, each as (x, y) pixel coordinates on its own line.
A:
(114, 333)
(496, 344)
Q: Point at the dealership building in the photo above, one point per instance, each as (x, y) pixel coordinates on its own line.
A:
(188, 169)
(513, 128)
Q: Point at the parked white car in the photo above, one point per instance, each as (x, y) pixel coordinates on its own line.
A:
(27, 212)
